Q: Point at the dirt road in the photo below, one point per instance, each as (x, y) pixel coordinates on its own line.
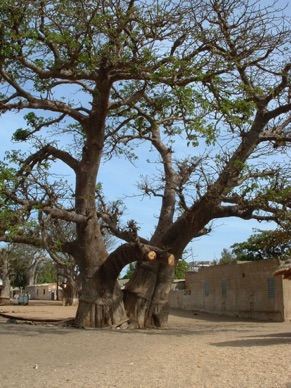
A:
(194, 351)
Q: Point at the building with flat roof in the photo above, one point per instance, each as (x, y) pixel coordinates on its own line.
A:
(242, 289)
(45, 291)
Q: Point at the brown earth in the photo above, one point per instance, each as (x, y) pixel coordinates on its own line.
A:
(196, 350)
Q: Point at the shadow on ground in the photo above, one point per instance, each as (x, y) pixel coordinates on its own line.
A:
(258, 340)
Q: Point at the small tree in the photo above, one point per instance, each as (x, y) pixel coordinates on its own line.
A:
(227, 257)
(264, 245)
(19, 265)
(181, 267)
(24, 262)
(130, 271)
(47, 272)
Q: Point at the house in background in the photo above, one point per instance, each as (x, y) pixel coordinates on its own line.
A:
(195, 266)
(46, 291)
(243, 289)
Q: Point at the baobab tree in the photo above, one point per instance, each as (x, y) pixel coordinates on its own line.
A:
(111, 75)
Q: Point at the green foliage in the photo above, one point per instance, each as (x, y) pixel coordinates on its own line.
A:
(226, 257)
(181, 267)
(47, 272)
(130, 271)
(23, 261)
(21, 134)
(264, 245)
(19, 276)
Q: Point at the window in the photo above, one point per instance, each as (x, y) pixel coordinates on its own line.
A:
(224, 287)
(206, 288)
(271, 288)
(44, 291)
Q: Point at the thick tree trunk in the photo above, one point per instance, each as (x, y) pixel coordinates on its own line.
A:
(137, 300)
(146, 296)
(5, 288)
(101, 300)
(100, 306)
(159, 308)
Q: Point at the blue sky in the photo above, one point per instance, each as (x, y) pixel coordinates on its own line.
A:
(119, 179)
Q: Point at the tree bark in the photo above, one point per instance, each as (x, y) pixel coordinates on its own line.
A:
(5, 290)
(32, 271)
(138, 293)
(146, 295)
(101, 301)
(70, 293)
(100, 306)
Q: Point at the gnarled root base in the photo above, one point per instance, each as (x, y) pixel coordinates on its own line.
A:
(97, 315)
(143, 313)
(136, 309)
(158, 315)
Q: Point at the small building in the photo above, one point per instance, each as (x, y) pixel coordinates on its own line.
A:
(195, 266)
(242, 289)
(45, 291)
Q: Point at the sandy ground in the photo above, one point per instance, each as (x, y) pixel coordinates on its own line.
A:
(196, 350)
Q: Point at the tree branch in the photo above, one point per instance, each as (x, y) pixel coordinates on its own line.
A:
(131, 252)
(44, 153)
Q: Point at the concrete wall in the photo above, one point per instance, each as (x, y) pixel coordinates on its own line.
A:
(287, 299)
(246, 290)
